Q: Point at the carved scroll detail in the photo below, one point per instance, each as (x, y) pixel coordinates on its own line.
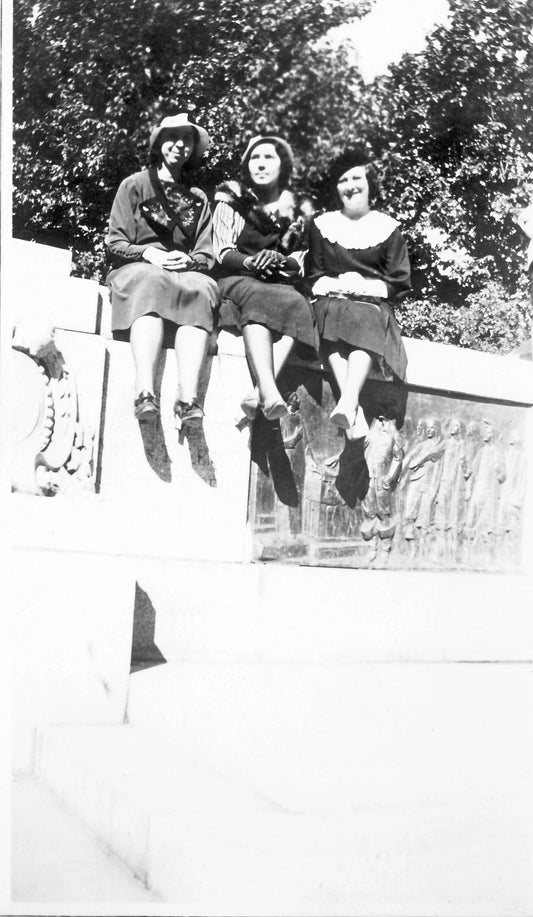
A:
(52, 449)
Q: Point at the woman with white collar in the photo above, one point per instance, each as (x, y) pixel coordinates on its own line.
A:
(358, 267)
(258, 241)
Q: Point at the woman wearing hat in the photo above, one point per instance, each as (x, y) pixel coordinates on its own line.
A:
(258, 241)
(160, 241)
(358, 267)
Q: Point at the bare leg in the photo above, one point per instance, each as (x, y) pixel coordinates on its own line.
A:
(350, 372)
(191, 350)
(280, 352)
(260, 352)
(146, 339)
(282, 349)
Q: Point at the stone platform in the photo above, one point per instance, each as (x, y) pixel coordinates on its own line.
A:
(253, 726)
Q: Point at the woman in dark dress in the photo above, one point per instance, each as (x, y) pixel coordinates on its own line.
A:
(258, 242)
(160, 241)
(358, 267)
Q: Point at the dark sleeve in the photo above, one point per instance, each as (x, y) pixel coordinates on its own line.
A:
(314, 260)
(202, 249)
(120, 238)
(397, 273)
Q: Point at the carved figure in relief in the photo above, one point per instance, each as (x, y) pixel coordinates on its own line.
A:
(413, 434)
(422, 485)
(450, 500)
(488, 474)
(512, 494)
(289, 514)
(472, 444)
(383, 454)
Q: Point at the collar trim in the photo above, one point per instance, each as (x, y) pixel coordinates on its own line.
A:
(372, 229)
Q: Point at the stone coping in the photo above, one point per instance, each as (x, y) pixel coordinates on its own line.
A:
(445, 368)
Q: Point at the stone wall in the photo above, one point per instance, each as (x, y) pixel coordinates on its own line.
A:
(228, 702)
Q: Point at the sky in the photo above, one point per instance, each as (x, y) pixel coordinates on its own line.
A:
(389, 30)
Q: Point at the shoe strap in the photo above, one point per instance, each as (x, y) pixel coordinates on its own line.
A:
(144, 396)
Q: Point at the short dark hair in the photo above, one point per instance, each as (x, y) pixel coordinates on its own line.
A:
(155, 158)
(350, 159)
(285, 171)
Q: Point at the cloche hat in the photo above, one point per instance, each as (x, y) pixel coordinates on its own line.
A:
(268, 138)
(182, 120)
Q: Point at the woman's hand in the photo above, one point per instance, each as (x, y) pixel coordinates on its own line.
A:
(169, 261)
(354, 282)
(326, 286)
(265, 264)
(351, 282)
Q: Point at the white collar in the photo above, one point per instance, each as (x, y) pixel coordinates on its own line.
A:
(369, 230)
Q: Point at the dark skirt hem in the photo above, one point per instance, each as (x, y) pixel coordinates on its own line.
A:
(364, 325)
(281, 308)
(138, 289)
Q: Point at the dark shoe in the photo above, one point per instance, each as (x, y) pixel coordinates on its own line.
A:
(145, 407)
(187, 413)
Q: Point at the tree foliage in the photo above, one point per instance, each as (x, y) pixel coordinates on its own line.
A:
(89, 85)
(449, 126)
(456, 144)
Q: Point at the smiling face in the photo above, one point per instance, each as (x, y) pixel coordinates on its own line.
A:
(264, 165)
(177, 146)
(353, 191)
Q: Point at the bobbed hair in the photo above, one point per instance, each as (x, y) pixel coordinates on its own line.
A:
(350, 158)
(155, 158)
(282, 149)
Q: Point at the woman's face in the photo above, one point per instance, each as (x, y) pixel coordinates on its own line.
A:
(264, 165)
(352, 188)
(177, 146)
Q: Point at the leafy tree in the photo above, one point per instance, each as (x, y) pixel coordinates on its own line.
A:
(452, 129)
(449, 126)
(90, 83)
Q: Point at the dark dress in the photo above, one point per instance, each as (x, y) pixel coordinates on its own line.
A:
(242, 228)
(376, 249)
(147, 213)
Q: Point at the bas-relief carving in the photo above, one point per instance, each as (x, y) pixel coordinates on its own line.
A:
(438, 482)
(52, 450)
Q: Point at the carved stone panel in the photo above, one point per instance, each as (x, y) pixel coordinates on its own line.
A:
(438, 482)
(52, 450)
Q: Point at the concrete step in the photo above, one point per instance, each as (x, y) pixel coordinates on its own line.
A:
(210, 845)
(55, 859)
(230, 612)
(323, 737)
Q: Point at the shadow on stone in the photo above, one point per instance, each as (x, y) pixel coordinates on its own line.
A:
(352, 479)
(268, 451)
(153, 438)
(144, 652)
(201, 461)
(155, 449)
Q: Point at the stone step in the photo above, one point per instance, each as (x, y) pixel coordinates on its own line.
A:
(206, 844)
(323, 737)
(284, 613)
(56, 859)
(40, 275)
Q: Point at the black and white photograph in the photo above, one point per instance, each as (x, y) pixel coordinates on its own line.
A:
(267, 498)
